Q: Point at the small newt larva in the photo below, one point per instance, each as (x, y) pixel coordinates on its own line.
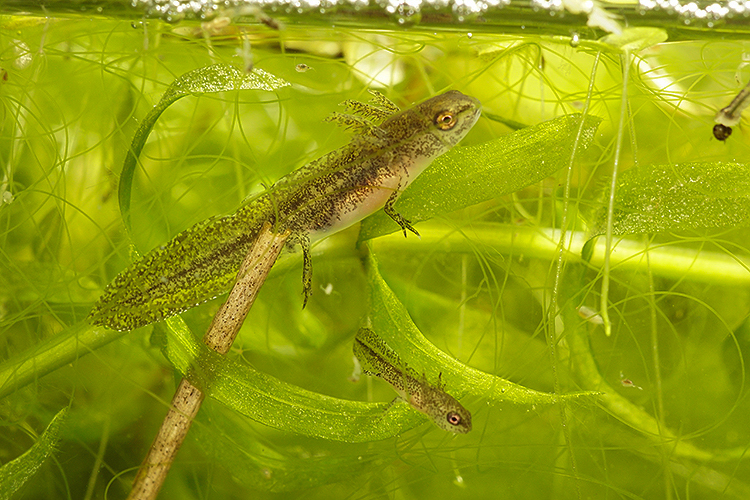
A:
(379, 360)
(731, 115)
(388, 151)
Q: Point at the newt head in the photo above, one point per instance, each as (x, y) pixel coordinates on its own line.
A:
(438, 123)
(445, 411)
(452, 115)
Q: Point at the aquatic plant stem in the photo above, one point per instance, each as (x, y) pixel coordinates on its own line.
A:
(220, 336)
(551, 333)
(604, 305)
(665, 260)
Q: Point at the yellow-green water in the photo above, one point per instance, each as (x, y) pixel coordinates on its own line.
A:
(485, 285)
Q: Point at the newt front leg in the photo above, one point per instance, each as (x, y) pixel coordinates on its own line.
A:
(397, 217)
(323, 197)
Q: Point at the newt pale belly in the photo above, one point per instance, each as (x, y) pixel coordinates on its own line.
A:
(389, 150)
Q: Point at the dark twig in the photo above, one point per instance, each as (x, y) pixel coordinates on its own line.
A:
(220, 336)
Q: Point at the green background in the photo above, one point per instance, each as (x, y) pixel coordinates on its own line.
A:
(486, 284)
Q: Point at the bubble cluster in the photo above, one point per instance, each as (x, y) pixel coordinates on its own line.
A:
(715, 11)
(173, 11)
(404, 10)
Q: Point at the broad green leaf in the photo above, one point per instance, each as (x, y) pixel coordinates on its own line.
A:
(16, 472)
(210, 79)
(278, 404)
(55, 352)
(284, 406)
(466, 176)
(392, 322)
(656, 198)
(231, 442)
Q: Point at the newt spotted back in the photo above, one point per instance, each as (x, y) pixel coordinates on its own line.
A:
(389, 150)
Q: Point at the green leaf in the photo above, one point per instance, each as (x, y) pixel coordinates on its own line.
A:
(210, 79)
(467, 176)
(16, 472)
(278, 404)
(231, 442)
(54, 352)
(287, 407)
(392, 322)
(657, 198)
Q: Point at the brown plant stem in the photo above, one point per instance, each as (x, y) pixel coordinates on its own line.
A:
(219, 337)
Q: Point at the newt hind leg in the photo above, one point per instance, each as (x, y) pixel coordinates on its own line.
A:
(304, 242)
(397, 217)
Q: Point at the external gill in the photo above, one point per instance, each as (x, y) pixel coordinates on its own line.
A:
(382, 102)
(358, 125)
(364, 118)
(381, 108)
(325, 196)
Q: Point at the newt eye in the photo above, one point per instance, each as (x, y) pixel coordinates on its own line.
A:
(454, 418)
(445, 120)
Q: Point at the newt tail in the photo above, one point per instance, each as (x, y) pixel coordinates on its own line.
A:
(324, 196)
